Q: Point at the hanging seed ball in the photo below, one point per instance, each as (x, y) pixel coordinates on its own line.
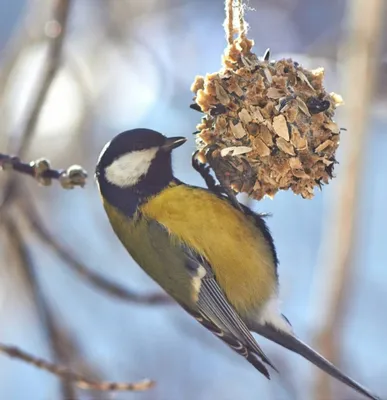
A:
(267, 125)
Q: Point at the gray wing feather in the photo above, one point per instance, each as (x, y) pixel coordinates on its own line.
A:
(215, 309)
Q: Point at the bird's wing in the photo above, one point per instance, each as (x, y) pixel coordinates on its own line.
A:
(216, 314)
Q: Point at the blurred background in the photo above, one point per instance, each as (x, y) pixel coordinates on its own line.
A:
(130, 63)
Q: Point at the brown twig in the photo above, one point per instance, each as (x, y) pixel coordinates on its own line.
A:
(53, 332)
(47, 319)
(71, 354)
(55, 33)
(43, 173)
(112, 288)
(65, 373)
(360, 70)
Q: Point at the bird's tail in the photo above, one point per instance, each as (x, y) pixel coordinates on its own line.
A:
(292, 343)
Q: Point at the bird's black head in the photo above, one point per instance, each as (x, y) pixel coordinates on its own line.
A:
(135, 165)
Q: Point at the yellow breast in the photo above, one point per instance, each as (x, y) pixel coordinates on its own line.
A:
(240, 257)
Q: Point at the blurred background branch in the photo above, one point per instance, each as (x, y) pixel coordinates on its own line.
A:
(54, 333)
(61, 345)
(70, 82)
(85, 273)
(359, 66)
(55, 31)
(72, 377)
(43, 173)
(46, 317)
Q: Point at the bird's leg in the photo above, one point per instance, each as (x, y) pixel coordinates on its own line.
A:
(204, 171)
(223, 188)
(229, 192)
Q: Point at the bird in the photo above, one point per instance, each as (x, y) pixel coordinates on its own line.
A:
(216, 260)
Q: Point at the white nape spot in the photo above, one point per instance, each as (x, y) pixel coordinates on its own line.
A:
(271, 314)
(197, 280)
(127, 170)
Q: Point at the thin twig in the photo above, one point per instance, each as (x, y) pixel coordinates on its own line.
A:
(52, 330)
(112, 288)
(71, 355)
(65, 373)
(360, 71)
(40, 169)
(47, 319)
(55, 32)
(10, 57)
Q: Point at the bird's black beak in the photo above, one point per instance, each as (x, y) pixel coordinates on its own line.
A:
(173, 142)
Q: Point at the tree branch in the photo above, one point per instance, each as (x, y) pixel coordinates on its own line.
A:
(46, 317)
(65, 373)
(87, 274)
(52, 331)
(55, 32)
(41, 170)
(337, 249)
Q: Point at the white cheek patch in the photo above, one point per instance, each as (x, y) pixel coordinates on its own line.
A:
(129, 168)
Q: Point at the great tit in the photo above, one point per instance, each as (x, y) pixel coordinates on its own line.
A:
(216, 260)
